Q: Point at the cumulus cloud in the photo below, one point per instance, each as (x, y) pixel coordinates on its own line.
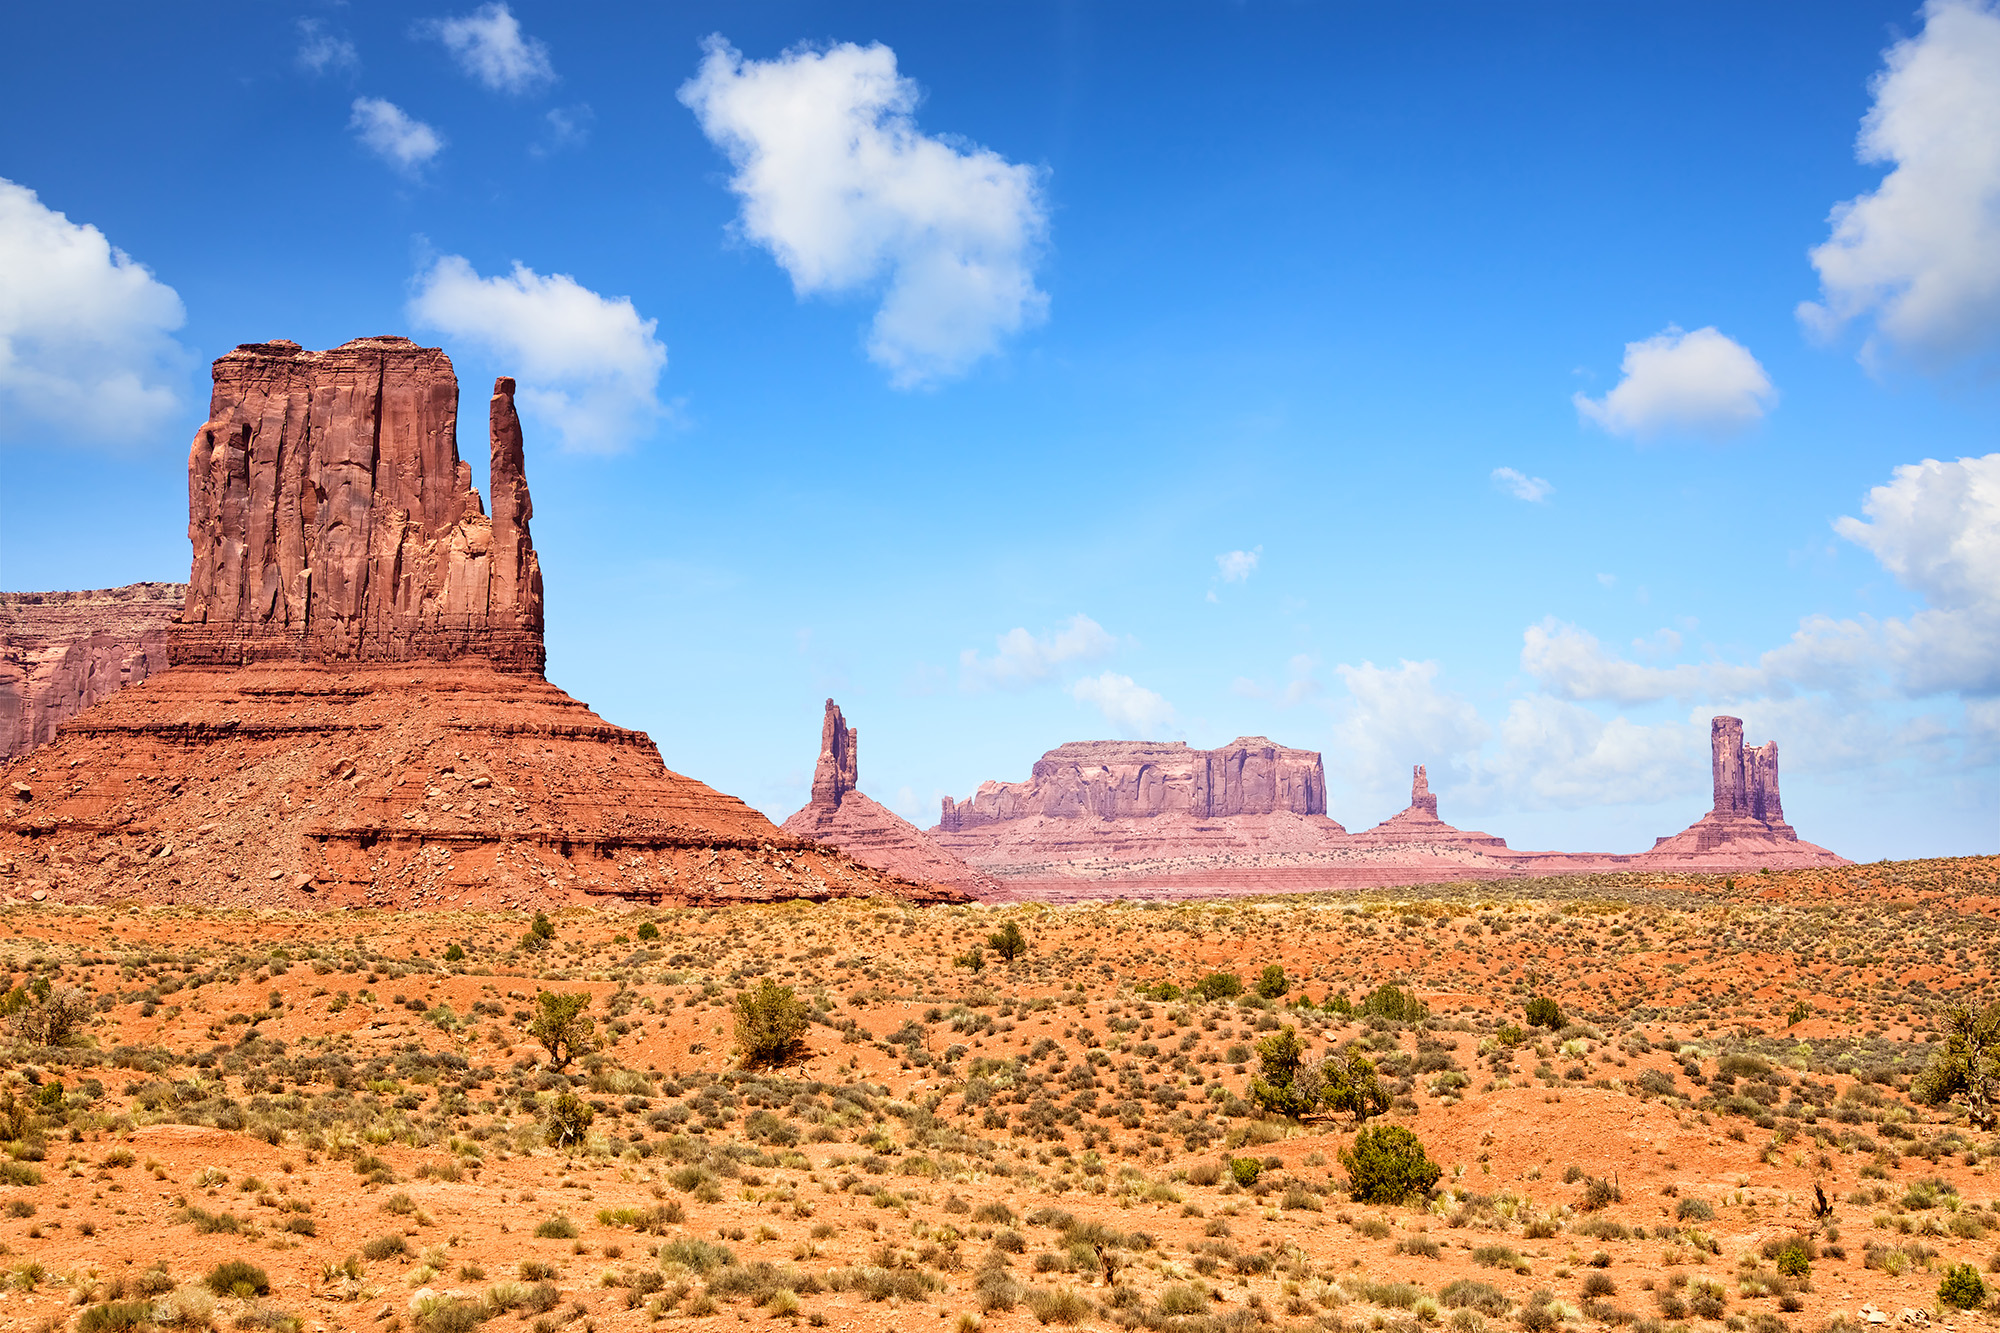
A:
(1936, 527)
(844, 190)
(1561, 754)
(564, 127)
(1701, 383)
(1919, 255)
(1135, 711)
(489, 46)
(1022, 659)
(589, 367)
(322, 50)
(393, 135)
(1394, 717)
(1236, 566)
(1522, 486)
(86, 346)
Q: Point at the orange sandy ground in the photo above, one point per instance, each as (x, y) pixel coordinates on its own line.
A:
(1654, 974)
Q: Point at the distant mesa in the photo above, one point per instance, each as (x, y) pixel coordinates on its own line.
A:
(60, 652)
(840, 815)
(1419, 825)
(1144, 779)
(351, 709)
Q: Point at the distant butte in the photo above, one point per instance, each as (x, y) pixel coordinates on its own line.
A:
(61, 652)
(1419, 825)
(840, 815)
(353, 711)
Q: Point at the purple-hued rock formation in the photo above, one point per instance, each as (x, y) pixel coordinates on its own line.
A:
(61, 652)
(1143, 779)
(1747, 818)
(1419, 825)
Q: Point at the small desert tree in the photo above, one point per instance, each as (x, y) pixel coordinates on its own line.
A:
(1008, 942)
(569, 1121)
(1347, 1083)
(770, 1023)
(1965, 1066)
(1272, 982)
(1542, 1012)
(541, 933)
(1387, 1165)
(51, 1014)
(562, 1026)
(1278, 1087)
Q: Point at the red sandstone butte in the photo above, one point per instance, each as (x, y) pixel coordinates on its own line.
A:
(61, 652)
(1745, 827)
(353, 711)
(842, 816)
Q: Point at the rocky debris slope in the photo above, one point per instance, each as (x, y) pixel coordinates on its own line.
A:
(404, 785)
(61, 652)
(1745, 826)
(354, 713)
(842, 816)
(333, 520)
(1418, 825)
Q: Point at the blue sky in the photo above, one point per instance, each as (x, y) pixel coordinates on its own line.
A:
(1416, 383)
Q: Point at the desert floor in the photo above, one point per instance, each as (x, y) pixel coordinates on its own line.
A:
(328, 1099)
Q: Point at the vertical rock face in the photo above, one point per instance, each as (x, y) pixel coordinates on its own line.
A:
(841, 816)
(61, 652)
(1747, 817)
(332, 519)
(834, 776)
(1142, 779)
(1421, 798)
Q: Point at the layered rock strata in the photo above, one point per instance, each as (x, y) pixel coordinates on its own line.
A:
(61, 652)
(354, 713)
(1144, 779)
(840, 815)
(1418, 824)
(332, 519)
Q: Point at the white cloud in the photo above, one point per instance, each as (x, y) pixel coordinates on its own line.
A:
(1136, 712)
(489, 46)
(321, 49)
(86, 345)
(1555, 753)
(564, 128)
(1700, 383)
(1394, 717)
(1023, 659)
(1237, 566)
(1936, 527)
(1522, 486)
(589, 367)
(393, 135)
(1920, 254)
(844, 190)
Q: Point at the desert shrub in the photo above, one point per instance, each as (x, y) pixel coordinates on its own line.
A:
(1543, 1012)
(771, 1022)
(993, 1211)
(1272, 982)
(1063, 1306)
(451, 1314)
(1008, 942)
(1387, 1164)
(698, 1255)
(1466, 1294)
(1277, 1087)
(1598, 1193)
(568, 1122)
(1596, 1285)
(1794, 1259)
(1962, 1288)
(562, 1026)
(1204, 1173)
(1219, 986)
(1245, 1170)
(1694, 1210)
(19, 1173)
(1179, 1299)
(115, 1317)
(556, 1227)
(1347, 1083)
(389, 1245)
(648, 931)
(239, 1277)
(52, 1014)
(1395, 1004)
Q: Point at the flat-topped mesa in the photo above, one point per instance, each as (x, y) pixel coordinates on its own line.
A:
(841, 816)
(1140, 779)
(61, 652)
(332, 519)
